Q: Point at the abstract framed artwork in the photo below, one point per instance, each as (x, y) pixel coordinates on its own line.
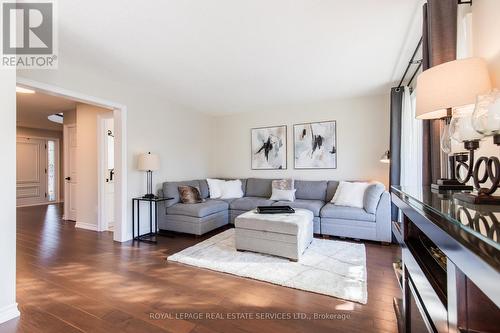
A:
(315, 145)
(269, 148)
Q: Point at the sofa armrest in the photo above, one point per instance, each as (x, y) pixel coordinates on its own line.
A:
(383, 218)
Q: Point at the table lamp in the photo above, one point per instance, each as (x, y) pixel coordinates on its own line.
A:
(444, 90)
(149, 163)
(485, 170)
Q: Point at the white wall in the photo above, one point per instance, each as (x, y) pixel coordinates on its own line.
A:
(362, 137)
(69, 117)
(8, 306)
(486, 34)
(179, 136)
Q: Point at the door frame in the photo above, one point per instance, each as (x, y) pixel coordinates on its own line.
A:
(102, 219)
(58, 169)
(121, 232)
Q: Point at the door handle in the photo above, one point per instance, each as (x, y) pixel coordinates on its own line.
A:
(68, 178)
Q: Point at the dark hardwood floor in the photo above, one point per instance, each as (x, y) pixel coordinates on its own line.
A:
(72, 280)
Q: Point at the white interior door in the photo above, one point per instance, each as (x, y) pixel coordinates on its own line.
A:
(70, 174)
(110, 204)
(31, 171)
(109, 166)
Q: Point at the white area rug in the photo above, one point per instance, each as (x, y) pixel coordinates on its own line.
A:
(328, 267)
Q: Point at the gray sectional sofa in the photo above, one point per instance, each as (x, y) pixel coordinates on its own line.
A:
(315, 196)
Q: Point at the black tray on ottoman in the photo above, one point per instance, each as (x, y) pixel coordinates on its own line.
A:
(275, 210)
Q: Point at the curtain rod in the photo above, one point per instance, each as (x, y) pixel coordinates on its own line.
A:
(411, 62)
(419, 62)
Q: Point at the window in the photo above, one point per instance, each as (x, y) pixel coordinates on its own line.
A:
(51, 170)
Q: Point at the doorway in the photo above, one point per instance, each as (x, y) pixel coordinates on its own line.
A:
(37, 176)
(121, 229)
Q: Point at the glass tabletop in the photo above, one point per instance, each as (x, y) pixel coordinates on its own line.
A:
(157, 199)
(481, 221)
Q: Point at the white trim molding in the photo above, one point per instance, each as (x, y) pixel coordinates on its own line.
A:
(48, 203)
(87, 226)
(9, 312)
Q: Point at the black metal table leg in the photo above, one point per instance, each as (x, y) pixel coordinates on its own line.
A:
(151, 217)
(133, 219)
(156, 218)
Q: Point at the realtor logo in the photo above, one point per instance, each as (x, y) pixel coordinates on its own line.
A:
(28, 34)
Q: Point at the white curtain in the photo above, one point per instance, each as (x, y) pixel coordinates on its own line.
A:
(464, 32)
(411, 142)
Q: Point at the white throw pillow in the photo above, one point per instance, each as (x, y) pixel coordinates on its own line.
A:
(350, 194)
(231, 189)
(283, 195)
(215, 187)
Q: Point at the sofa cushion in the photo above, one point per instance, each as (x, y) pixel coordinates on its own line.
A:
(243, 183)
(312, 205)
(232, 189)
(249, 203)
(350, 194)
(310, 190)
(283, 195)
(372, 197)
(171, 190)
(244, 186)
(203, 209)
(204, 188)
(331, 189)
(346, 213)
(228, 201)
(258, 187)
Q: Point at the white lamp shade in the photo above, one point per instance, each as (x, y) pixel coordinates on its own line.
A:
(452, 84)
(148, 162)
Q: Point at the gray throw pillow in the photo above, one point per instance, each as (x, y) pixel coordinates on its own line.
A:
(372, 197)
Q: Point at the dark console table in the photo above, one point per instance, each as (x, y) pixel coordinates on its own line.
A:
(450, 269)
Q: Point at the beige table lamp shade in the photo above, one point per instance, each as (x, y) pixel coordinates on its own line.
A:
(451, 84)
(148, 162)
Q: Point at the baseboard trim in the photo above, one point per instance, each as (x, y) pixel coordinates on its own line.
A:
(87, 226)
(46, 203)
(9, 312)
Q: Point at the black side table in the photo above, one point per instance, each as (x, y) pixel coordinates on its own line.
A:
(149, 237)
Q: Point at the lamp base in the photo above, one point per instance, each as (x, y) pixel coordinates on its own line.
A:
(444, 184)
(496, 139)
(150, 196)
(477, 199)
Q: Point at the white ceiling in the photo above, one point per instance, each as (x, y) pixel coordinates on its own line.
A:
(223, 56)
(33, 110)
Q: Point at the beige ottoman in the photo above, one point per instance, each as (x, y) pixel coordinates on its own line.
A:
(283, 235)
